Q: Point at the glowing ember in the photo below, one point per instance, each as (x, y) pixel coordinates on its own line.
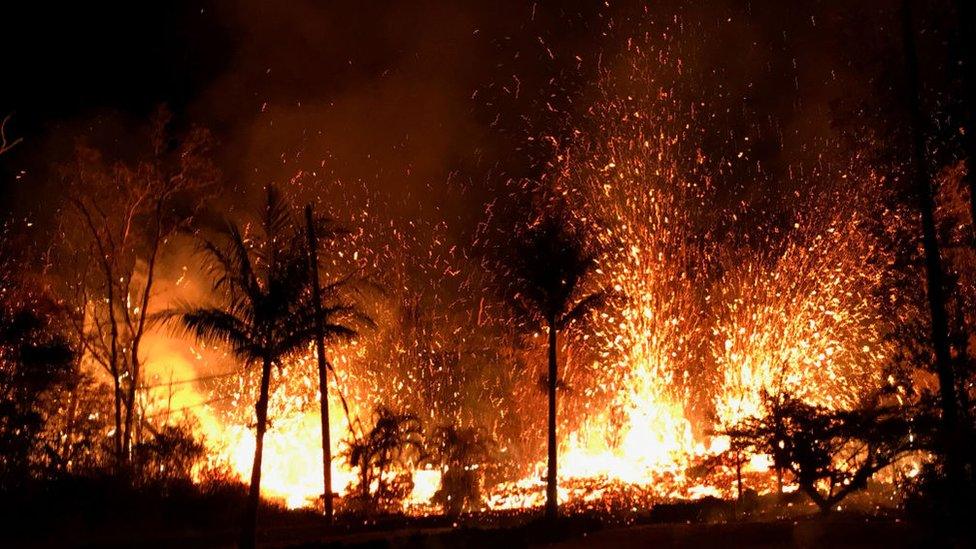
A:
(715, 312)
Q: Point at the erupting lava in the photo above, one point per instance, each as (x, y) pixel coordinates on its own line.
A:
(714, 313)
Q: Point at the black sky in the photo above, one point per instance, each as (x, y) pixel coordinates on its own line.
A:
(406, 96)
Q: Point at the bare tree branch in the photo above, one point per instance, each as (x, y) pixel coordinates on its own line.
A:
(5, 143)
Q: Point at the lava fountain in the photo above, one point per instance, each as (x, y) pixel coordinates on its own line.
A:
(716, 310)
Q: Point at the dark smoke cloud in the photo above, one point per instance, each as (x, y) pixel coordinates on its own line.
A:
(434, 104)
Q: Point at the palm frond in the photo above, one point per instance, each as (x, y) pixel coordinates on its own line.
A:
(548, 264)
(583, 307)
(214, 325)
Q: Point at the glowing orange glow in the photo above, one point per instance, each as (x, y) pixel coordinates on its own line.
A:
(706, 325)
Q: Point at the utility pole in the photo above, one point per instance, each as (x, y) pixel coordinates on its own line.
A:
(313, 264)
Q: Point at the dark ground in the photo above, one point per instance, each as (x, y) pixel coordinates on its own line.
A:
(92, 513)
(834, 531)
(819, 532)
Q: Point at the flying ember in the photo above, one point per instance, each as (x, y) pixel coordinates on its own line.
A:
(464, 274)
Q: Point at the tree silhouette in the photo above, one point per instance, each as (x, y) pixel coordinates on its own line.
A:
(318, 230)
(830, 453)
(935, 275)
(39, 367)
(548, 268)
(122, 214)
(460, 453)
(395, 440)
(35, 360)
(267, 313)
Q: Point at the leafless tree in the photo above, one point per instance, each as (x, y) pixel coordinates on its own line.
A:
(121, 214)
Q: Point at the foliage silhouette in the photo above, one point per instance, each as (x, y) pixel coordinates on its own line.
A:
(123, 213)
(830, 453)
(548, 270)
(461, 454)
(391, 447)
(35, 360)
(267, 313)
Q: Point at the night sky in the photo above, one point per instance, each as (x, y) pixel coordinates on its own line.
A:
(411, 96)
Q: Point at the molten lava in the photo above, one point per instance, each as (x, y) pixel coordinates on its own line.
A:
(716, 309)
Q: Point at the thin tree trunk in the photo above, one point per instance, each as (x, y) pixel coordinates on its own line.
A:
(250, 522)
(551, 482)
(365, 480)
(69, 431)
(139, 331)
(738, 485)
(120, 456)
(323, 366)
(127, 421)
(779, 485)
(113, 359)
(933, 264)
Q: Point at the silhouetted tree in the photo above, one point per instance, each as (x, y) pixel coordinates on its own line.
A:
(320, 230)
(461, 454)
(35, 358)
(267, 311)
(935, 278)
(394, 442)
(169, 455)
(124, 212)
(548, 270)
(830, 453)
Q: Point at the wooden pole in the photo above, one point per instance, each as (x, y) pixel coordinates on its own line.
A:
(323, 366)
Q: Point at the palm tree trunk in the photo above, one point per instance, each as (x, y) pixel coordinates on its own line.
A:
(551, 483)
(250, 522)
(313, 261)
(933, 264)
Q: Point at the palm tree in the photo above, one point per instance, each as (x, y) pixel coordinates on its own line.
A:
(548, 268)
(267, 313)
(395, 440)
(324, 227)
(459, 453)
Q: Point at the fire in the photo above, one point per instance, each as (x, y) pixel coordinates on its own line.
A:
(708, 324)
(716, 311)
(292, 470)
(650, 404)
(292, 462)
(816, 332)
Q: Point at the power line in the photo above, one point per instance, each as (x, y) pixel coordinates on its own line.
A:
(184, 408)
(189, 380)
